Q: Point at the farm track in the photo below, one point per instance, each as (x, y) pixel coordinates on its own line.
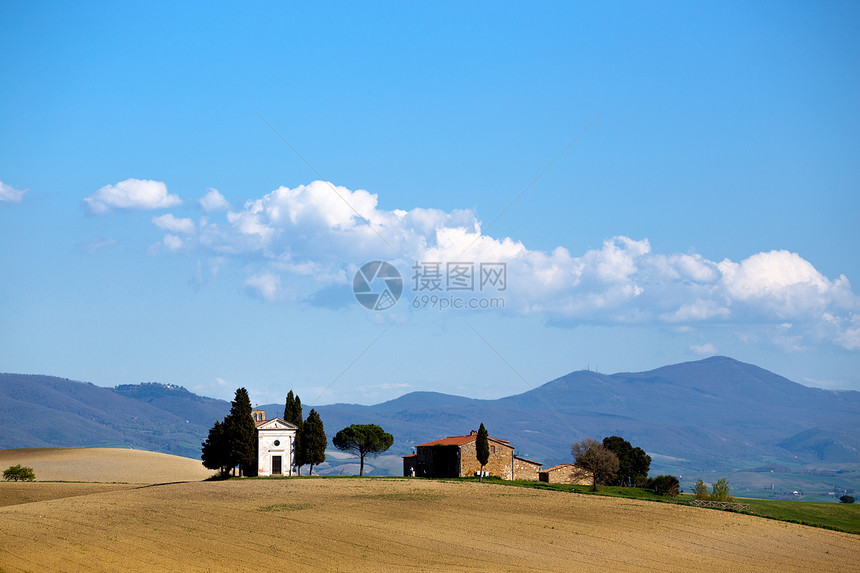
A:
(393, 524)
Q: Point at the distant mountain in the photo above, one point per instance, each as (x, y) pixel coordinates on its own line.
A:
(45, 411)
(707, 410)
(717, 415)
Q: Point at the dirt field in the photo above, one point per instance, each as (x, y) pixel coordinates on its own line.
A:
(302, 524)
(108, 465)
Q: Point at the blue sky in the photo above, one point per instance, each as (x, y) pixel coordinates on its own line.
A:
(187, 192)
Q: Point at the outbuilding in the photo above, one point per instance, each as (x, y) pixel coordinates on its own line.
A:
(565, 473)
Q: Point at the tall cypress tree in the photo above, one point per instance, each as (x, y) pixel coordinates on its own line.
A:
(314, 441)
(293, 415)
(216, 451)
(242, 433)
(482, 448)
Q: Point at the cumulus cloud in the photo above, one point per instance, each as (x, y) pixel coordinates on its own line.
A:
(214, 201)
(319, 233)
(174, 224)
(131, 194)
(782, 284)
(706, 349)
(9, 194)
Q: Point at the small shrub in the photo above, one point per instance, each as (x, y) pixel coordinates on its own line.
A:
(19, 473)
(846, 499)
(665, 485)
(700, 490)
(641, 481)
(720, 491)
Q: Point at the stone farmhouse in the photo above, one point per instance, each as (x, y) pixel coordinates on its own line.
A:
(565, 473)
(456, 456)
(276, 445)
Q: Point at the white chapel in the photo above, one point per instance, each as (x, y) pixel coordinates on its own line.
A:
(276, 445)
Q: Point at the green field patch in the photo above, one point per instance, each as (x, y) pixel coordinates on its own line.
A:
(837, 516)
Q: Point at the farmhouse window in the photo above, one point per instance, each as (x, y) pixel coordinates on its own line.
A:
(492, 449)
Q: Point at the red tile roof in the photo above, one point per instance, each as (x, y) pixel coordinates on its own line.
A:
(411, 456)
(460, 440)
(450, 441)
(529, 461)
(558, 467)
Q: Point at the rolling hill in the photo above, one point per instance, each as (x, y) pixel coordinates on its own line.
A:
(713, 415)
(45, 411)
(711, 410)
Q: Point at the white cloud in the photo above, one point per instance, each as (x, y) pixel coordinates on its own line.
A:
(698, 310)
(706, 349)
(174, 224)
(319, 234)
(265, 285)
(173, 242)
(135, 194)
(9, 194)
(827, 384)
(214, 201)
(782, 284)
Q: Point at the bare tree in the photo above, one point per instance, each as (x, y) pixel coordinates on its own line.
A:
(591, 455)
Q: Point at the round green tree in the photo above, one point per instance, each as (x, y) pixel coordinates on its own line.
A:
(19, 473)
(361, 440)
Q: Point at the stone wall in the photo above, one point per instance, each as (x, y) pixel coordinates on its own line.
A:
(566, 473)
(525, 469)
(498, 465)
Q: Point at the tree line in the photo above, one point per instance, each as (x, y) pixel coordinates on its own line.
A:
(615, 461)
(232, 442)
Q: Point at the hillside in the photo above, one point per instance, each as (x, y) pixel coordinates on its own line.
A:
(706, 411)
(708, 417)
(397, 525)
(697, 419)
(106, 465)
(45, 411)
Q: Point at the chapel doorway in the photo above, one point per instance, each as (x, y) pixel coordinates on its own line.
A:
(276, 465)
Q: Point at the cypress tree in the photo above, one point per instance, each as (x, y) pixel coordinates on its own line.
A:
(215, 452)
(482, 447)
(314, 441)
(242, 433)
(293, 415)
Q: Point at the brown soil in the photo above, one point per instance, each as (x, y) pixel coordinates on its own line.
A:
(107, 465)
(378, 524)
(14, 493)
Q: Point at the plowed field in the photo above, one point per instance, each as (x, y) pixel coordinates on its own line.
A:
(378, 524)
(105, 465)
